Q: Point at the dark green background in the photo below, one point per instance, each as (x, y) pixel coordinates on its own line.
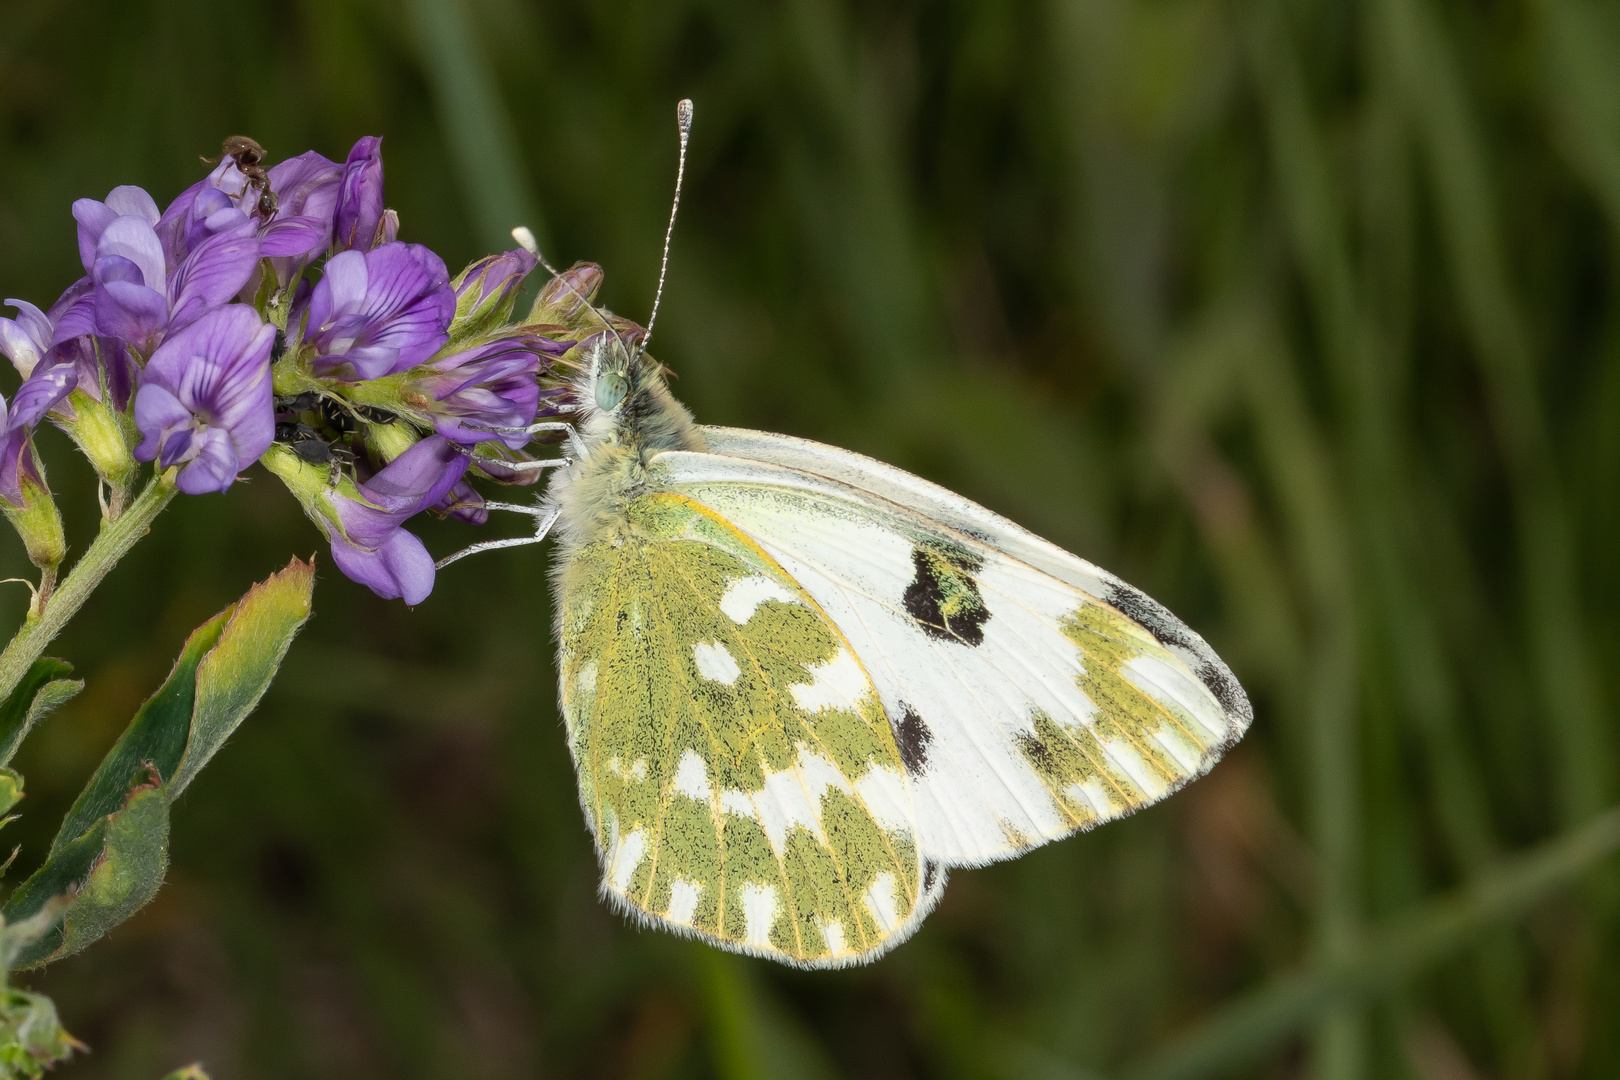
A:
(1300, 315)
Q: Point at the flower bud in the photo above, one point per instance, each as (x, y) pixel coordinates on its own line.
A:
(486, 292)
(28, 505)
(564, 299)
(359, 218)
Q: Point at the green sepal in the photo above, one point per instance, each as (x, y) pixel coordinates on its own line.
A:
(565, 301)
(31, 1036)
(315, 487)
(109, 856)
(477, 314)
(106, 437)
(41, 690)
(37, 520)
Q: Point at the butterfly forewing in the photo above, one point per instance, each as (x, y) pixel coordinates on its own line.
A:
(735, 762)
(1025, 706)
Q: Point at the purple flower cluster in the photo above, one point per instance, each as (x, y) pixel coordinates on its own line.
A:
(277, 305)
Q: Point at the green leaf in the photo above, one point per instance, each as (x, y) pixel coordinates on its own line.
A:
(110, 854)
(190, 1072)
(11, 790)
(31, 1036)
(157, 736)
(106, 875)
(42, 689)
(237, 671)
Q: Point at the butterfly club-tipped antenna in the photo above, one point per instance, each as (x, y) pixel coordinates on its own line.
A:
(683, 120)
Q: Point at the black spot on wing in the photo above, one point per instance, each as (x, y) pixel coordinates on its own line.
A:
(943, 597)
(913, 738)
(1153, 617)
(1220, 682)
(1171, 632)
(930, 875)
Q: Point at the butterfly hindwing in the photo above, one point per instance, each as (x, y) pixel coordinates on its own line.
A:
(1030, 693)
(735, 764)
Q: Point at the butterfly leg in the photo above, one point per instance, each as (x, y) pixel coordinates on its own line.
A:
(544, 518)
(576, 447)
(536, 466)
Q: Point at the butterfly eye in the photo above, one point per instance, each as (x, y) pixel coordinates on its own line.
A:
(610, 390)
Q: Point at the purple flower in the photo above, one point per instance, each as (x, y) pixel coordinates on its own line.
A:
(491, 283)
(94, 217)
(39, 393)
(49, 362)
(372, 547)
(96, 357)
(17, 464)
(205, 402)
(306, 189)
(357, 224)
(464, 503)
(379, 312)
(491, 385)
(138, 297)
(26, 339)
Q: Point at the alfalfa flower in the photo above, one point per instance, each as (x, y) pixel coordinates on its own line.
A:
(378, 312)
(358, 222)
(205, 402)
(138, 296)
(365, 522)
(490, 386)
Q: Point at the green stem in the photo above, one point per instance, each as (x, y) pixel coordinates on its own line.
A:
(111, 544)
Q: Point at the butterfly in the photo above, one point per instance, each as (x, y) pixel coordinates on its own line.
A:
(801, 686)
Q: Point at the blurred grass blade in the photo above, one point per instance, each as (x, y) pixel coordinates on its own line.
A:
(753, 1038)
(1580, 55)
(42, 689)
(1259, 1022)
(475, 125)
(1465, 201)
(111, 852)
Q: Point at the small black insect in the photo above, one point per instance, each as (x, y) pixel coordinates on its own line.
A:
(249, 157)
(337, 416)
(304, 441)
(305, 402)
(373, 415)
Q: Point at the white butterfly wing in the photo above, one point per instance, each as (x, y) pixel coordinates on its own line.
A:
(1031, 693)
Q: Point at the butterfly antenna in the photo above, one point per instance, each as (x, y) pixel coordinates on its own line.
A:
(683, 118)
(525, 238)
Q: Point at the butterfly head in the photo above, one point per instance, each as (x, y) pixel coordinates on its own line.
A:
(610, 383)
(621, 398)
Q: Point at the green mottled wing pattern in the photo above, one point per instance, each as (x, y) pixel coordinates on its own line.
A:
(735, 764)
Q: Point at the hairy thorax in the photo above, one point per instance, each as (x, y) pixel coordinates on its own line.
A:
(594, 494)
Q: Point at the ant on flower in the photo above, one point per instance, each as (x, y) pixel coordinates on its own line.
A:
(249, 158)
